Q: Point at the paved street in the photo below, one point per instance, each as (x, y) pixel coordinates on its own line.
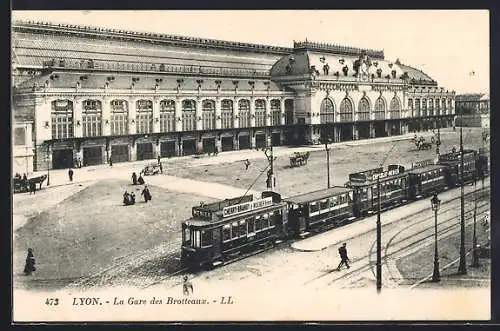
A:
(82, 237)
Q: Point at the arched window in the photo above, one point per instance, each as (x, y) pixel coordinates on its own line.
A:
(260, 112)
(275, 112)
(226, 114)
(417, 108)
(424, 107)
(167, 116)
(450, 106)
(289, 116)
(364, 110)
(144, 116)
(345, 110)
(62, 119)
(431, 107)
(244, 113)
(208, 115)
(327, 111)
(380, 109)
(188, 115)
(395, 108)
(438, 107)
(119, 117)
(92, 118)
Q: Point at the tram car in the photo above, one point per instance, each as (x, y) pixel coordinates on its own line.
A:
(319, 209)
(233, 228)
(427, 179)
(222, 231)
(393, 184)
(453, 161)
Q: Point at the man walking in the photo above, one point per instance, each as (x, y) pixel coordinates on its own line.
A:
(344, 259)
(70, 174)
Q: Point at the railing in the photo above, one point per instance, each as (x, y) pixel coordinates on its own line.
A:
(337, 49)
(150, 67)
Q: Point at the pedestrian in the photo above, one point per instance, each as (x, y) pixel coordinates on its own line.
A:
(134, 178)
(25, 178)
(146, 194)
(140, 180)
(187, 287)
(247, 164)
(132, 198)
(344, 259)
(32, 187)
(159, 159)
(161, 167)
(70, 174)
(29, 267)
(110, 161)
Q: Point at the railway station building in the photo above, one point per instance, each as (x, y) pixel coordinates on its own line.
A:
(95, 94)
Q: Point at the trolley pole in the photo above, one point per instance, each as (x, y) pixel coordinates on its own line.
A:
(462, 267)
(271, 181)
(327, 163)
(379, 239)
(475, 258)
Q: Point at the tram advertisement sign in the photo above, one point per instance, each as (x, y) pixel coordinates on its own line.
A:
(247, 206)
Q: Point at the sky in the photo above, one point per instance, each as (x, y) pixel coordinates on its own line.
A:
(452, 46)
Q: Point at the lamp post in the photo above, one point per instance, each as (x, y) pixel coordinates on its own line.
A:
(435, 203)
(462, 267)
(327, 162)
(475, 257)
(379, 239)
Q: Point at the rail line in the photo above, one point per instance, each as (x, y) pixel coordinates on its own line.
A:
(370, 264)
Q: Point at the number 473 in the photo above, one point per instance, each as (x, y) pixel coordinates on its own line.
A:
(52, 301)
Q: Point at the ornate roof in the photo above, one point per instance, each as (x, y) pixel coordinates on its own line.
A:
(144, 37)
(472, 97)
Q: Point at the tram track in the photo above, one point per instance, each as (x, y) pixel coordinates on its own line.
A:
(370, 266)
(412, 222)
(413, 218)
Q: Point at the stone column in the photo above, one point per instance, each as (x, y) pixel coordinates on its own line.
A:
(77, 118)
(282, 111)
(199, 110)
(236, 142)
(132, 114)
(178, 115)
(355, 132)
(106, 116)
(218, 120)
(268, 111)
(156, 115)
(236, 114)
(252, 139)
(252, 112)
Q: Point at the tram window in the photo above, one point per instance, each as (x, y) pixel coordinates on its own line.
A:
(273, 218)
(250, 225)
(187, 236)
(242, 228)
(206, 237)
(258, 223)
(226, 232)
(333, 201)
(314, 207)
(234, 231)
(196, 238)
(323, 204)
(265, 221)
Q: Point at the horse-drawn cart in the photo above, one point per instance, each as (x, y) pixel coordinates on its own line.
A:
(299, 159)
(21, 186)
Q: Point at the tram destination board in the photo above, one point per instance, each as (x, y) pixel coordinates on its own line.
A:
(246, 207)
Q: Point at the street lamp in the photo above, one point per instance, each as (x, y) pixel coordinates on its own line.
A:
(327, 161)
(475, 257)
(435, 203)
(462, 267)
(379, 240)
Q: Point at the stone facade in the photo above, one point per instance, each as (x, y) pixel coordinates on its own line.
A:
(130, 96)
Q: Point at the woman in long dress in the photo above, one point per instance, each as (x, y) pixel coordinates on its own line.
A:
(29, 267)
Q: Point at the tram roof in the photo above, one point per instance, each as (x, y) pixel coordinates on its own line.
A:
(427, 168)
(317, 195)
